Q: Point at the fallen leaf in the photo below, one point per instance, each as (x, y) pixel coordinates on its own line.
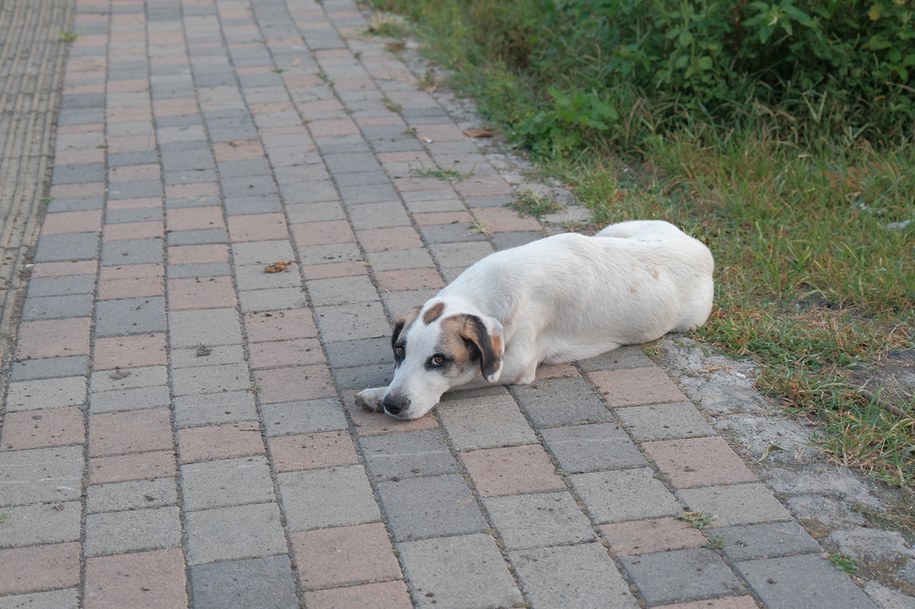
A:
(278, 267)
(479, 133)
(771, 448)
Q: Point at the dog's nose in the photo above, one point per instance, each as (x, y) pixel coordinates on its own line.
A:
(395, 404)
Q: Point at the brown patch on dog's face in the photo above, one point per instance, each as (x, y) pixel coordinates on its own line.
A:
(465, 341)
(434, 312)
(403, 323)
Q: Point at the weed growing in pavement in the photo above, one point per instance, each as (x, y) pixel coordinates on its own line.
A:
(533, 204)
(844, 562)
(452, 175)
(67, 36)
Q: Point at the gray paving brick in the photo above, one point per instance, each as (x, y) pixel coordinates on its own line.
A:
(71, 246)
(128, 378)
(378, 215)
(214, 408)
(785, 583)
(129, 399)
(253, 277)
(628, 494)
(52, 599)
(271, 299)
(210, 379)
(226, 482)
(132, 251)
(57, 307)
(341, 290)
(766, 540)
(430, 506)
(562, 401)
(736, 504)
(588, 448)
(624, 357)
(329, 254)
(210, 327)
(681, 575)
(572, 577)
(265, 582)
(664, 421)
(400, 259)
(504, 241)
(50, 367)
(543, 519)
(315, 212)
(360, 377)
(403, 455)
(459, 572)
(138, 214)
(352, 321)
(360, 352)
(131, 495)
(303, 417)
(41, 523)
(130, 316)
(459, 232)
(197, 237)
(484, 419)
(216, 355)
(131, 530)
(134, 189)
(46, 393)
(325, 190)
(204, 269)
(40, 474)
(256, 531)
(75, 204)
(333, 496)
(256, 204)
(58, 286)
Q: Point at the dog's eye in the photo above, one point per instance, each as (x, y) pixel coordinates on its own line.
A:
(437, 361)
(399, 351)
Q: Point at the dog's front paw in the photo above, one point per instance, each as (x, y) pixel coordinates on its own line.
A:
(370, 399)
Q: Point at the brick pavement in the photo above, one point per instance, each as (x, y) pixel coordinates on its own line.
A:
(179, 429)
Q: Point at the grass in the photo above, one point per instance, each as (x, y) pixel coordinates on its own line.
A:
(67, 36)
(533, 204)
(815, 268)
(452, 175)
(700, 520)
(844, 562)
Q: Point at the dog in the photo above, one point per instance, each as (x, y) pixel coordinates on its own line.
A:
(559, 299)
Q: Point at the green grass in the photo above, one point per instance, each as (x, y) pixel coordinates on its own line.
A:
(813, 281)
(845, 562)
(67, 36)
(452, 175)
(533, 204)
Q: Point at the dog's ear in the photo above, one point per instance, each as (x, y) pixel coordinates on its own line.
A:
(404, 322)
(486, 335)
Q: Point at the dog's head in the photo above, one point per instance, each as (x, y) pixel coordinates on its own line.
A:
(435, 350)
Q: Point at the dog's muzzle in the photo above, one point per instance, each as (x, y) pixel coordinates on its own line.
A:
(395, 404)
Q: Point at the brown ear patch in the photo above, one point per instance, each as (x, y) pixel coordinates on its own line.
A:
(403, 323)
(459, 329)
(434, 312)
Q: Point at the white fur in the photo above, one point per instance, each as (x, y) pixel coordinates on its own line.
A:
(561, 299)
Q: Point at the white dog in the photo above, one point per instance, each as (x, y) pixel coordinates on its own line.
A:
(560, 299)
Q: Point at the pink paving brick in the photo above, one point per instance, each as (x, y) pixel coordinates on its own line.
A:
(310, 451)
(258, 227)
(39, 568)
(192, 191)
(512, 470)
(129, 432)
(410, 279)
(131, 271)
(79, 156)
(72, 222)
(134, 466)
(194, 254)
(238, 150)
(42, 428)
(53, 338)
(730, 602)
(194, 218)
(133, 230)
(383, 595)
(129, 173)
(345, 555)
(483, 186)
(377, 423)
(636, 386)
(389, 239)
(323, 233)
(647, 536)
(333, 127)
(220, 441)
(129, 351)
(138, 203)
(276, 385)
(114, 289)
(502, 219)
(280, 325)
(294, 352)
(64, 269)
(698, 462)
(443, 217)
(201, 293)
(440, 133)
(337, 269)
(144, 580)
(557, 371)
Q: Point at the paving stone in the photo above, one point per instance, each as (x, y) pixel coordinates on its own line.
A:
(207, 328)
(50, 367)
(402, 455)
(52, 599)
(272, 298)
(132, 251)
(339, 556)
(264, 582)
(571, 577)
(648, 536)
(61, 286)
(458, 573)
(143, 580)
(698, 462)
(41, 429)
(112, 380)
(543, 519)
(46, 393)
(311, 451)
(475, 420)
(352, 321)
(239, 439)
(131, 530)
(360, 352)
(41, 475)
(226, 482)
(306, 416)
(430, 506)
(343, 290)
(130, 316)
(131, 495)
(784, 583)
(333, 496)
(256, 531)
(624, 495)
(214, 408)
(383, 595)
(588, 448)
(210, 379)
(73, 246)
(134, 431)
(766, 540)
(53, 307)
(664, 421)
(726, 602)
(636, 387)
(511, 470)
(618, 359)
(735, 504)
(42, 523)
(681, 575)
(562, 401)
